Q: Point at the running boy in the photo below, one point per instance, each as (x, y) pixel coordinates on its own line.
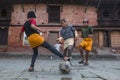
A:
(35, 39)
(86, 44)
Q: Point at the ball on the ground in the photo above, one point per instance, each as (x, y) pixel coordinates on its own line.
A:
(64, 68)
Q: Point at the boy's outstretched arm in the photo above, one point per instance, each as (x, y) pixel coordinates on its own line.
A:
(21, 33)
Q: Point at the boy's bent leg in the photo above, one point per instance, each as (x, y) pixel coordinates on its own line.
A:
(65, 52)
(87, 56)
(81, 52)
(88, 49)
(82, 55)
(70, 49)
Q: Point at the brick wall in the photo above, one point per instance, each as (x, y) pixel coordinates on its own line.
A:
(74, 14)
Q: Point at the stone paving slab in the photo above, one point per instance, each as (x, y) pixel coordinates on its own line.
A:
(17, 69)
(14, 79)
(105, 75)
(93, 79)
(87, 74)
(51, 75)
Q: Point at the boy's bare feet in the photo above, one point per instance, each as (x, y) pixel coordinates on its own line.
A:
(66, 58)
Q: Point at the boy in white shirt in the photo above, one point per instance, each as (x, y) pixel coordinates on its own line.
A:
(58, 46)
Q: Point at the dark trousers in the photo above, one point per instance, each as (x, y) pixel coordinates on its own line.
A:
(49, 47)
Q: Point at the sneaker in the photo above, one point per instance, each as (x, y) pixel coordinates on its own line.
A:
(81, 62)
(31, 69)
(86, 64)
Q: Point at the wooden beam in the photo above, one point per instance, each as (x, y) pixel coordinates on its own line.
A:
(23, 7)
(98, 5)
(71, 1)
(115, 5)
(35, 5)
(86, 5)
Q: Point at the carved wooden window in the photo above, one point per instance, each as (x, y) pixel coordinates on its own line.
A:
(119, 15)
(3, 13)
(53, 14)
(106, 13)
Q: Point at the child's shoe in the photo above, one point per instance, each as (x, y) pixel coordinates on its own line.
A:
(31, 69)
(81, 62)
(86, 64)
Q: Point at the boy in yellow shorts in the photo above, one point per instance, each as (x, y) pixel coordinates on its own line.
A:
(86, 43)
(35, 39)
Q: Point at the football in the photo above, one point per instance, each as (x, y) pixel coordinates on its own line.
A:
(64, 68)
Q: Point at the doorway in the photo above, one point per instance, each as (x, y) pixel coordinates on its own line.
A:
(3, 36)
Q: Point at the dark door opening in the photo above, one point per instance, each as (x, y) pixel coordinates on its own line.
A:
(105, 39)
(54, 14)
(3, 36)
(5, 18)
